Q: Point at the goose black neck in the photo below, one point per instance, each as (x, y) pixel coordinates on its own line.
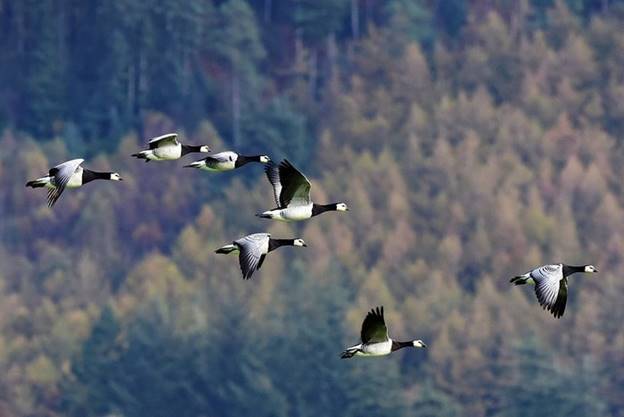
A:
(322, 208)
(242, 160)
(276, 243)
(190, 149)
(88, 175)
(400, 345)
(572, 269)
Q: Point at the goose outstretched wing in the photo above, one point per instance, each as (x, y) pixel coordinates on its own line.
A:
(551, 288)
(374, 328)
(290, 186)
(562, 297)
(251, 251)
(62, 173)
(168, 139)
(272, 172)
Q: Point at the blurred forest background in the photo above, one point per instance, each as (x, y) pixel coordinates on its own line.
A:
(472, 139)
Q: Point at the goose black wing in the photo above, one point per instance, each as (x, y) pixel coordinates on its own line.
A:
(374, 328)
(251, 252)
(551, 288)
(295, 186)
(562, 297)
(272, 172)
(62, 173)
(164, 140)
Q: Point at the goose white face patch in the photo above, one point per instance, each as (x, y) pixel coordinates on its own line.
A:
(265, 159)
(342, 207)
(115, 177)
(419, 344)
(591, 268)
(299, 242)
(204, 149)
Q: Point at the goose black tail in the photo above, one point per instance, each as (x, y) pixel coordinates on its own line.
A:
(519, 280)
(226, 249)
(349, 353)
(34, 184)
(263, 216)
(140, 156)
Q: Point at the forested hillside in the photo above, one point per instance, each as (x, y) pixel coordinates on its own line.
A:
(472, 140)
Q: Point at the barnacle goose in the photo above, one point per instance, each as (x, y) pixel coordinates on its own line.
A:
(375, 339)
(167, 148)
(292, 195)
(226, 161)
(71, 175)
(254, 248)
(551, 284)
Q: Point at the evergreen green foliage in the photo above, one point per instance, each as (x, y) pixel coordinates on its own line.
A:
(413, 18)
(539, 381)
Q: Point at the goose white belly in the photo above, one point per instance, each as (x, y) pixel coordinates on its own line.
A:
(168, 152)
(75, 181)
(376, 349)
(264, 249)
(218, 166)
(293, 213)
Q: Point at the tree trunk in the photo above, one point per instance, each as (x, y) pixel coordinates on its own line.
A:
(236, 109)
(139, 82)
(130, 90)
(368, 13)
(333, 84)
(267, 10)
(355, 19)
(313, 73)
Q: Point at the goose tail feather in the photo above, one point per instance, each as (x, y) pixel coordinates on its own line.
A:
(520, 279)
(141, 155)
(39, 182)
(226, 249)
(349, 353)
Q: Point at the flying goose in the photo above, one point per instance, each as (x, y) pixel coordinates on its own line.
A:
(292, 195)
(551, 284)
(167, 148)
(375, 339)
(226, 161)
(71, 175)
(254, 248)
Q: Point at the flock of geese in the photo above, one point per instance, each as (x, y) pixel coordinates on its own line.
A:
(293, 203)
